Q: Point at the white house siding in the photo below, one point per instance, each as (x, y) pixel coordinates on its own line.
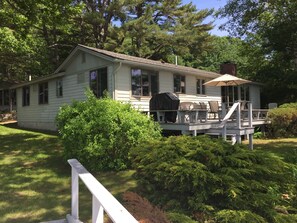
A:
(75, 82)
(123, 89)
(255, 96)
(212, 93)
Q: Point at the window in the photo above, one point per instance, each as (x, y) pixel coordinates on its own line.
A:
(245, 92)
(43, 93)
(144, 82)
(98, 81)
(26, 96)
(59, 88)
(179, 83)
(200, 88)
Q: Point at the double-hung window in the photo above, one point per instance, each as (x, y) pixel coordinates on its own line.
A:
(43, 93)
(200, 87)
(144, 82)
(179, 84)
(26, 96)
(98, 81)
(59, 88)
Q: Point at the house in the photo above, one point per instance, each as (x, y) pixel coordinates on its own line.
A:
(126, 78)
(7, 95)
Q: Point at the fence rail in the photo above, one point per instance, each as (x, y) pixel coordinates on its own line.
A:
(102, 199)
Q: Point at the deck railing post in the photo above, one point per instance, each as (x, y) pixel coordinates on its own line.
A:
(238, 122)
(102, 201)
(97, 211)
(74, 193)
(224, 130)
(250, 116)
(238, 116)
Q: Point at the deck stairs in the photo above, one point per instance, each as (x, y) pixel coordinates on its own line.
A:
(234, 130)
(234, 122)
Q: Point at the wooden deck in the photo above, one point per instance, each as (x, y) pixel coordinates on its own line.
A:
(235, 122)
(202, 127)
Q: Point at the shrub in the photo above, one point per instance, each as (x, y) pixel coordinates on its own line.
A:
(142, 209)
(289, 105)
(100, 133)
(178, 217)
(231, 216)
(202, 176)
(283, 122)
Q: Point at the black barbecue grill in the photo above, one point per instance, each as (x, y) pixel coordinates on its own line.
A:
(165, 101)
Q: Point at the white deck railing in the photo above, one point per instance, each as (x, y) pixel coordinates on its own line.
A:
(102, 200)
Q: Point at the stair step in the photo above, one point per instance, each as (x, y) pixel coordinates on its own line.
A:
(232, 131)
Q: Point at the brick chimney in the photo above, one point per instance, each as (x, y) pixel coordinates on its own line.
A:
(228, 68)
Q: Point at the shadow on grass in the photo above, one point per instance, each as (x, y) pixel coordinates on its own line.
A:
(14, 125)
(285, 148)
(35, 180)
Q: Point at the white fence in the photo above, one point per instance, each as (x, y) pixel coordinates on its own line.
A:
(102, 200)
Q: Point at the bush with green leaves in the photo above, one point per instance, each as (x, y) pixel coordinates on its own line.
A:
(201, 176)
(283, 122)
(289, 105)
(100, 132)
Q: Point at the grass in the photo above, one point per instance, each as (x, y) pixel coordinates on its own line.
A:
(285, 148)
(35, 180)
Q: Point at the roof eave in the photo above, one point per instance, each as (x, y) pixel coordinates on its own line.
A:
(176, 69)
(38, 80)
(83, 49)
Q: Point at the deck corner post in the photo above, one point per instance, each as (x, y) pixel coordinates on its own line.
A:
(251, 146)
(238, 117)
(74, 193)
(250, 114)
(224, 133)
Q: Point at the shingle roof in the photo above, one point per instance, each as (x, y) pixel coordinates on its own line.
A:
(127, 58)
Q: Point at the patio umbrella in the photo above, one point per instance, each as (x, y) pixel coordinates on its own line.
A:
(226, 80)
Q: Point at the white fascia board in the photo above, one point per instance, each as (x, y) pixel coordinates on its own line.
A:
(82, 49)
(38, 80)
(155, 67)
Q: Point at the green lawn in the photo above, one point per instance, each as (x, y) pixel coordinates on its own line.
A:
(286, 148)
(35, 180)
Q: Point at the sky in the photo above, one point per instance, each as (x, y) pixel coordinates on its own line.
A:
(216, 4)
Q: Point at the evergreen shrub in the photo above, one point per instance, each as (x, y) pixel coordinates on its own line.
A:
(100, 132)
(283, 122)
(289, 105)
(202, 176)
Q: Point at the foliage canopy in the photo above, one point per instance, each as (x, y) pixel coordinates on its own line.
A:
(209, 179)
(100, 133)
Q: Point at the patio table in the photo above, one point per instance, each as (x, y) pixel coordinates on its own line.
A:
(192, 115)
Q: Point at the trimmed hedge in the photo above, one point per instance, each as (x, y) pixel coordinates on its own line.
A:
(283, 121)
(202, 177)
(100, 132)
(289, 105)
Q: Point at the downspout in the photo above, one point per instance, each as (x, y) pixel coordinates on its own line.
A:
(114, 79)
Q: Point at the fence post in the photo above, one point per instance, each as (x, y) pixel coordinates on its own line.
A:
(74, 193)
(97, 211)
